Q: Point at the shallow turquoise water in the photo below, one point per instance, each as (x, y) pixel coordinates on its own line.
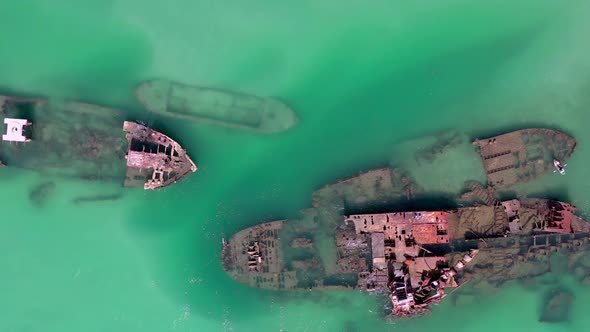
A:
(363, 78)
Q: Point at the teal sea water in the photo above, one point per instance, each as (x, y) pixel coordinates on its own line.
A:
(363, 79)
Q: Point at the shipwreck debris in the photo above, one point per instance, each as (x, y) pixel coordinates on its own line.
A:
(41, 193)
(77, 140)
(557, 306)
(215, 106)
(374, 187)
(523, 155)
(96, 198)
(443, 142)
(302, 242)
(413, 257)
(154, 160)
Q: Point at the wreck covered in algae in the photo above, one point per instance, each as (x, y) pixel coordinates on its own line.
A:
(414, 257)
(215, 106)
(301, 252)
(89, 142)
(523, 155)
(444, 161)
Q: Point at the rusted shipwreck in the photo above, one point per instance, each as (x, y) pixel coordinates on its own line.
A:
(154, 160)
(413, 257)
(416, 258)
(443, 161)
(523, 155)
(85, 141)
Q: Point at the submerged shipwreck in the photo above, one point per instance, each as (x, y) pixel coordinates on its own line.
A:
(415, 257)
(89, 142)
(215, 106)
(523, 155)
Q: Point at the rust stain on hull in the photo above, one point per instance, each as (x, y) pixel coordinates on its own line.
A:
(154, 160)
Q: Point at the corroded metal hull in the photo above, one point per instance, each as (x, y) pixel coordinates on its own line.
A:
(380, 186)
(414, 257)
(154, 160)
(215, 106)
(75, 140)
(456, 230)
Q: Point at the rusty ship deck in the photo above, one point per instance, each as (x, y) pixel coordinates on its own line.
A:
(411, 256)
(498, 241)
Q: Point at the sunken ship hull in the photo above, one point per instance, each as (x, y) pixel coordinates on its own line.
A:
(415, 258)
(523, 155)
(215, 106)
(418, 257)
(89, 142)
(442, 161)
(291, 244)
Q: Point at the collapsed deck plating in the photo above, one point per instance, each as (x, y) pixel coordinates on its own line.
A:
(412, 256)
(153, 159)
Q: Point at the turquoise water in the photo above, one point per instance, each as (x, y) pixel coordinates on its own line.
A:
(363, 78)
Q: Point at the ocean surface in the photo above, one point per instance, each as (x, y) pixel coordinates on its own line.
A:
(363, 77)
